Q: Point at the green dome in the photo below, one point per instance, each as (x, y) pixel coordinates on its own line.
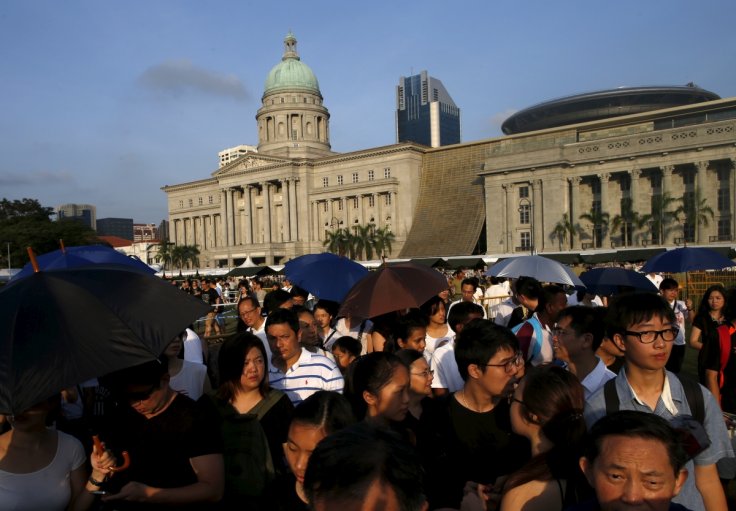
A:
(291, 72)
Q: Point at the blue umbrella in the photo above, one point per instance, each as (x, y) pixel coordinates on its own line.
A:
(687, 259)
(609, 281)
(87, 255)
(327, 276)
(541, 268)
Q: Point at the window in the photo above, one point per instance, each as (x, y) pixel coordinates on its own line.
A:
(339, 205)
(370, 175)
(526, 240)
(724, 203)
(595, 187)
(371, 201)
(209, 199)
(523, 192)
(388, 199)
(387, 173)
(191, 203)
(324, 206)
(199, 201)
(688, 230)
(355, 203)
(355, 177)
(723, 175)
(181, 203)
(325, 182)
(688, 178)
(724, 229)
(524, 213)
(339, 180)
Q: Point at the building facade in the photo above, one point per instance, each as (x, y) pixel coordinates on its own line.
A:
(626, 176)
(85, 213)
(425, 112)
(233, 153)
(283, 201)
(120, 227)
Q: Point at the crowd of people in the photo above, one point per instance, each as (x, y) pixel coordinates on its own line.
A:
(520, 396)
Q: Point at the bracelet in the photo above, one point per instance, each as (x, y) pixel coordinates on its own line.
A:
(96, 482)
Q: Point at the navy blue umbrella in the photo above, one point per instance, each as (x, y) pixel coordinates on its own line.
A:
(87, 255)
(687, 259)
(327, 276)
(611, 281)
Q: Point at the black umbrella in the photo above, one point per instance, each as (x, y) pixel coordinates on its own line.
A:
(610, 281)
(61, 327)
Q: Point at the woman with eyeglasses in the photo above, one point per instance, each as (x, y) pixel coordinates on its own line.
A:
(547, 409)
(709, 317)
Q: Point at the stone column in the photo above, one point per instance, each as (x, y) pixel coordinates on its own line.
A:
(267, 201)
(667, 238)
(703, 192)
(223, 241)
(575, 209)
(731, 192)
(285, 209)
(605, 208)
(247, 215)
(538, 233)
(293, 217)
(636, 206)
(510, 217)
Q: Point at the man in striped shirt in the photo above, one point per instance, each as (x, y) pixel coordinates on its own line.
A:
(294, 370)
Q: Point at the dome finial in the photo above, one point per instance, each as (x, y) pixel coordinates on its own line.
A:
(290, 47)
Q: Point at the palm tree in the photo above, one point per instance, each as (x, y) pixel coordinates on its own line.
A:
(661, 216)
(562, 229)
(178, 256)
(340, 242)
(693, 212)
(628, 221)
(364, 240)
(191, 255)
(382, 240)
(599, 221)
(164, 254)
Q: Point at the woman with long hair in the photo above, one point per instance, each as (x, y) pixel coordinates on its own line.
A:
(324, 313)
(439, 332)
(318, 416)
(377, 386)
(547, 409)
(709, 317)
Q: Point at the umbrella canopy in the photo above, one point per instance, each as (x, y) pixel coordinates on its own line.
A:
(610, 281)
(392, 288)
(76, 257)
(59, 328)
(251, 271)
(327, 276)
(541, 268)
(687, 259)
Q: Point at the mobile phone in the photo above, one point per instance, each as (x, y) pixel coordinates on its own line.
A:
(99, 492)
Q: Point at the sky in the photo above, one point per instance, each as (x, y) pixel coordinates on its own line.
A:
(104, 102)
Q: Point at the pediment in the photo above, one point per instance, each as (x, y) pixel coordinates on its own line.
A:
(249, 162)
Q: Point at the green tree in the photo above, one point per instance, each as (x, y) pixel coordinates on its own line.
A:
(191, 255)
(178, 256)
(338, 242)
(628, 221)
(382, 241)
(693, 212)
(563, 229)
(599, 224)
(363, 241)
(165, 249)
(26, 223)
(662, 217)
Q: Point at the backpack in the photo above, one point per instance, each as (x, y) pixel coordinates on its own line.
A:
(538, 335)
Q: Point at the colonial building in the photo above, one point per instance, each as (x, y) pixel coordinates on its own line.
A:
(281, 201)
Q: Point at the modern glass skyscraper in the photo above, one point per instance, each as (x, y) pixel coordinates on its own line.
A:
(425, 112)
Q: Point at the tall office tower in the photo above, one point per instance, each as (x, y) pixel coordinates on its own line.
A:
(425, 112)
(120, 227)
(85, 213)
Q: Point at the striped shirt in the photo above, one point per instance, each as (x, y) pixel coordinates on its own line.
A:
(312, 372)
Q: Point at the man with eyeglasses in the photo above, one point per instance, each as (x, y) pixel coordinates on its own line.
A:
(642, 325)
(480, 445)
(575, 338)
(249, 311)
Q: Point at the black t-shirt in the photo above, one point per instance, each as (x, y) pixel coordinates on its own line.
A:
(210, 297)
(708, 336)
(481, 447)
(160, 447)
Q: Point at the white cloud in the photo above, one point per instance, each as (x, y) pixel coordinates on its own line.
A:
(176, 77)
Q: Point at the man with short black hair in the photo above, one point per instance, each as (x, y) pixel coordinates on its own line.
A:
(468, 287)
(669, 289)
(364, 467)
(211, 297)
(535, 334)
(643, 326)
(634, 460)
(293, 369)
(575, 338)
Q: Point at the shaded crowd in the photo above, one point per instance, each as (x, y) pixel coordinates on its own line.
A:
(514, 397)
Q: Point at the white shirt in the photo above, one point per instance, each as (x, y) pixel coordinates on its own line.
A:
(446, 374)
(436, 342)
(355, 332)
(193, 347)
(310, 373)
(261, 334)
(504, 311)
(596, 378)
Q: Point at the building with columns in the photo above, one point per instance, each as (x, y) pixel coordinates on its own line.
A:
(280, 202)
(614, 156)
